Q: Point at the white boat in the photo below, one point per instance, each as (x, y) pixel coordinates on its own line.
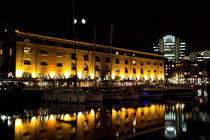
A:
(65, 95)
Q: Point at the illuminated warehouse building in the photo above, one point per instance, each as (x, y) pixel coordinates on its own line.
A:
(32, 56)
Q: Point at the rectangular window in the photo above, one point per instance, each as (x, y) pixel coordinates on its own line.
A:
(43, 52)
(59, 65)
(27, 50)
(43, 63)
(73, 67)
(27, 62)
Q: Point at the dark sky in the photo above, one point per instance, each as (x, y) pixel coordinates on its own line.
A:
(135, 23)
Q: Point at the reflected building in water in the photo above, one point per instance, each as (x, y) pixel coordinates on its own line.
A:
(93, 124)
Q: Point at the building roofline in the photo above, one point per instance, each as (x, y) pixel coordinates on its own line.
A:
(60, 40)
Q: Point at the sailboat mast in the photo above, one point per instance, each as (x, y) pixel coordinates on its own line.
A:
(94, 55)
(111, 37)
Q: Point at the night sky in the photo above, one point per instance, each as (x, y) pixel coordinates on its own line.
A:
(136, 25)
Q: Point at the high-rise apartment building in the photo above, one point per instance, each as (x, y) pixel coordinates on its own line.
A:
(173, 48)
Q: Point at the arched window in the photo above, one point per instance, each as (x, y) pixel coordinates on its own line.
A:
(142, 71)
(134, 70)
(117, 69)
(86, 67)
(126, 70)
(126, 62)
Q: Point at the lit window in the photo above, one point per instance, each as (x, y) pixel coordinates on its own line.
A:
(134, 62)
(27, 62)
(27, 50)
(133, 54)
(117, 53)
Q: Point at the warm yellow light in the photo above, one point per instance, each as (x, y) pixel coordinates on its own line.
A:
(80, 115)
(138, 109)
(152, 77)
(33, 74)
(52, 117)
(67, 74)
(113, 75)
(152, 107)
(122, 76)
(92, 112)
(130, 77)
(18, 122)
(162, 77)
(33, 119)
(145, 77)
(138, 76)
(92, 75)
(19, 73)
(123, 109)
(113, 111)
(67, 117)
(52, 74)
(79, 74)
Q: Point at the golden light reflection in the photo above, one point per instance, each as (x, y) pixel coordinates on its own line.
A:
(33, 119)
(79, 74)
(122, 76)
(92, 75)
(18, 122)
(80, 115)
(92, 112)
(67, 117)
(113, 75)
(52, 118)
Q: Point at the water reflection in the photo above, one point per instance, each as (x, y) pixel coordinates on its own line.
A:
(172, 119)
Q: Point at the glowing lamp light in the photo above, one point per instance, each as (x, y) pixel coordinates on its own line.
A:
(113, 111)
(130, 77)
(67, 74)
(113, 75)
(79, 74)
(33, 119)
(67, 117)
(163, 77)
(92, 75)
(33, 74)
(152, 107)
(19, 73)
(83, 21)
(152, 77)
(18, 122)
(52, 74)
(138, 76)
(145, 77)
(122, 76)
